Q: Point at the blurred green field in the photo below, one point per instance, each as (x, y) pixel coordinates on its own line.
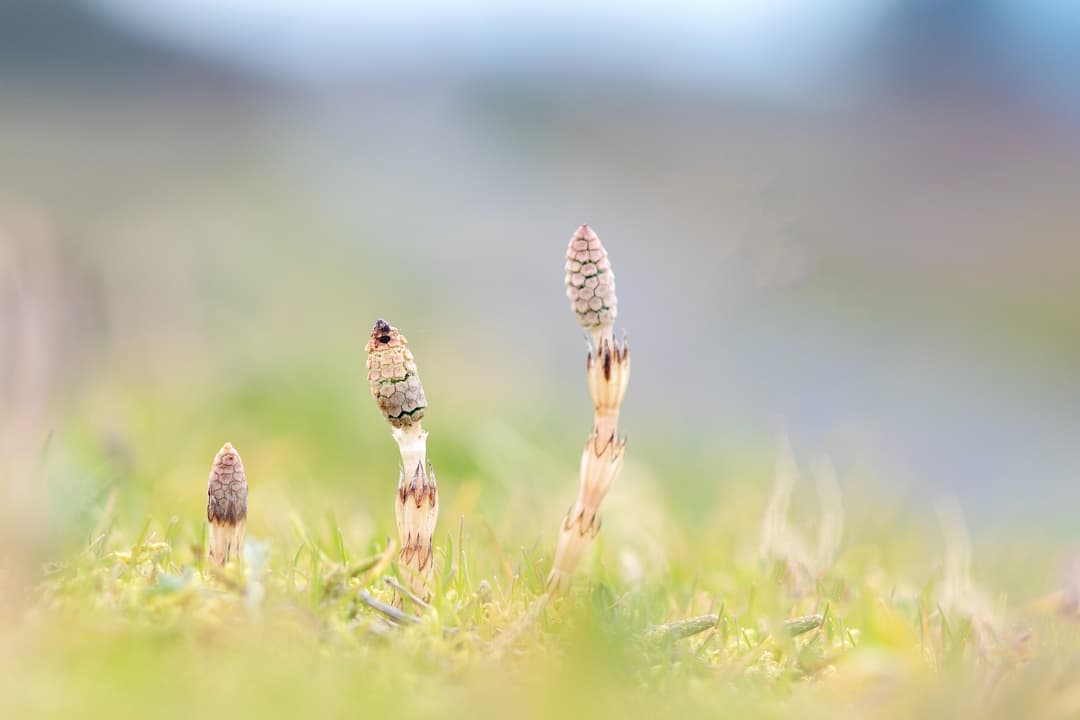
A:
(110, 610)
(190, 255)
(127, 618)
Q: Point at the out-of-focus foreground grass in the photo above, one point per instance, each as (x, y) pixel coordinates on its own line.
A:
(128, 619)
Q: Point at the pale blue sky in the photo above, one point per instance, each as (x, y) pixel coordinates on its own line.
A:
(787, 49)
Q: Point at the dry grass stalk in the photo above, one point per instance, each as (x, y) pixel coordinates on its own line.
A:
(226, 508)
(779, 539)
(396, 387)
(590, 285)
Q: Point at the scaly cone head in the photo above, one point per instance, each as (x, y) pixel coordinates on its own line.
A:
(226, 508)
(590, 283)
(395, 384)
(227, 488)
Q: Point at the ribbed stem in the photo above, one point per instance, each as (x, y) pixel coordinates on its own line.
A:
(395, 385)
(416, 508)
(591, 289)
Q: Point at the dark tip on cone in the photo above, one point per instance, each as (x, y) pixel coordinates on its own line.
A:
(381, 331)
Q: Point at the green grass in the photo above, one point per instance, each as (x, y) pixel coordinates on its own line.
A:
(123, 616)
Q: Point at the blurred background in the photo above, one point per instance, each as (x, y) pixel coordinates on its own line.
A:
(853, 222)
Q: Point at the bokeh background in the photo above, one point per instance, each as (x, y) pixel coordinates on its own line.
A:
(853, 223)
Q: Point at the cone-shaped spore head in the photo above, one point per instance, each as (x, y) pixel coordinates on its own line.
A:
(395, 384)
(590, 282)
(227, 490)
